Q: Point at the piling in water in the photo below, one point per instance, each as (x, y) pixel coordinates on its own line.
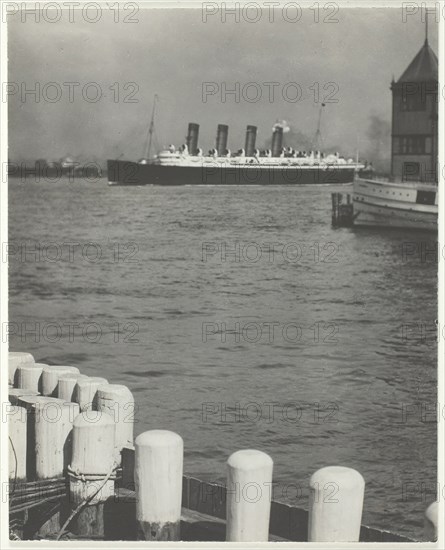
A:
(14, 394)
(53, 425)
(16, 358)
(29, 376)
(17, 442)
(85, 392)
(67, 383)
(50, 378)
(335, 505)
(117, 401)
(342, 213)
(158, 479)
(91, 471)
(249, 482)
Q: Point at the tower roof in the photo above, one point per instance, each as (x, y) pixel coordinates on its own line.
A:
(423, 68)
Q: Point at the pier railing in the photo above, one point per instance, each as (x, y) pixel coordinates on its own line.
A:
(77, 473)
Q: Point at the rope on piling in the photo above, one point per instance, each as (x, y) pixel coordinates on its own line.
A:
(94, 477)
(74, 513)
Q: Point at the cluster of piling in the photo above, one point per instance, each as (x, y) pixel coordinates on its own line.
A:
(74, 433)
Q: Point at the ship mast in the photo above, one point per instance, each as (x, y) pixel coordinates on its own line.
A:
(317, 142)
(151, 130)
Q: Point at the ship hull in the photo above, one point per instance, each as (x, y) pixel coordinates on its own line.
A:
(132, 173)
(390, 204)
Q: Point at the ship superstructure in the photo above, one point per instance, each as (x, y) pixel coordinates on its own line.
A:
(279, 165)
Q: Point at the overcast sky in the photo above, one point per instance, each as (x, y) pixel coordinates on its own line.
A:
(172, 52)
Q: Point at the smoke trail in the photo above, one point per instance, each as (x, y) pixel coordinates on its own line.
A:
(377, 144)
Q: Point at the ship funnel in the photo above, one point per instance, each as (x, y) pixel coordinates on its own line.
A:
(277, 141)
(221, 139)
(250, 140)
(192, 138)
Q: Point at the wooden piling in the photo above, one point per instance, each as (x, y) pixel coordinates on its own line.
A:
(92, 461)
(16, 358)
(342, 214)
(335, 505)
(29, 376)
(249, 493)
(14, 394)
(50, 378)
(16, 417)
(85, 391)
(158, 480)
(117, 401)
(67, 383)
(54, 423)
(432, 522)
(28, 403)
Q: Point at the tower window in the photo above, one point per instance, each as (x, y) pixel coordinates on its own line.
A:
(412, 145)
(413, 101)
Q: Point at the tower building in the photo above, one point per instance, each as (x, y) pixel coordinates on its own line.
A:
(414, 153)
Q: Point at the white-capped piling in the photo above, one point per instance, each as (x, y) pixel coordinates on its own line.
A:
(432, 521)
(67, 383)
(249, 492)
(50, 378)
(29, 376)
(335, 505)
(117, 401)
(28, 402)
(16, 358)
(85, 391)
(158, 480)
(92, 461)
(16, 418)
(54, 423)
(14, 394)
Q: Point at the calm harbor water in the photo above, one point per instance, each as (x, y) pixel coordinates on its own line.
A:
(319, 349)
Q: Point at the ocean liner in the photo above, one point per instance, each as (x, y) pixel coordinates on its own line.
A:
(409, 197)
(248, 166)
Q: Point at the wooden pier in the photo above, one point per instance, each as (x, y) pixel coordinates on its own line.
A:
(76, 473)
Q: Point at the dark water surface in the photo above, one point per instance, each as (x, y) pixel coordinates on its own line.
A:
(328, 386)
